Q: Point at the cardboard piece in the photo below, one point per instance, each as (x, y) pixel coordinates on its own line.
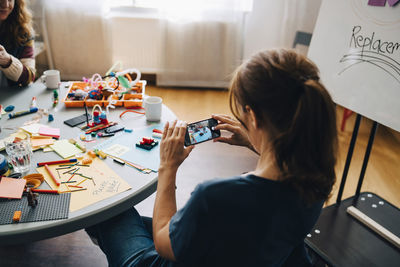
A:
(11, 187)
(65, 149)
(48, 131)
(106, 183)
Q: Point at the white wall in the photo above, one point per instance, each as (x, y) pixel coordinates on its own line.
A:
(273, 23)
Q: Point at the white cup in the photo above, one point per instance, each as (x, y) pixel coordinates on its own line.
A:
(51, 78)
(153, 107)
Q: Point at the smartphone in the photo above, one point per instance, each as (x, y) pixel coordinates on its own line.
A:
(201, 131)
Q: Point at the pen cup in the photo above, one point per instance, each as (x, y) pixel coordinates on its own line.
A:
(19, 153)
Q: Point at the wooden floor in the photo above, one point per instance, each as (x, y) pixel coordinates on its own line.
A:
(383, 172)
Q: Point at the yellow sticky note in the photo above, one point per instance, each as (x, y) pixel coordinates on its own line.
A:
(65, 149)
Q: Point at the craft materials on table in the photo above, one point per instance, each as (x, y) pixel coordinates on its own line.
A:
(123, 147)
(113, 89)
(98, 182)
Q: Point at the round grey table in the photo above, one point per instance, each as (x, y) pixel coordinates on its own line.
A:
(142, 185)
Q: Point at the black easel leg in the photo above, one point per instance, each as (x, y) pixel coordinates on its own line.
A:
(348, 158)
(366, 156)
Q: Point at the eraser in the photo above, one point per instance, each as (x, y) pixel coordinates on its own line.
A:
(156, 135)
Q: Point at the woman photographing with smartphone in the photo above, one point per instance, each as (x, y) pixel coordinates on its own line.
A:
(261, 218)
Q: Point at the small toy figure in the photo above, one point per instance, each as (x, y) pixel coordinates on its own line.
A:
(95, 94)
(32, 197)
(103, 118)
(96, 118)
(55, 98)
(147, 143)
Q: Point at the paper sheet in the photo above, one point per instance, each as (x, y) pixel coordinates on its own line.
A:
(12, 188)
(65, 149)
(108, 183)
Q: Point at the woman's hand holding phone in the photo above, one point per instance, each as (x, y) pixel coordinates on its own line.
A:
(172, 151)
(239, 136)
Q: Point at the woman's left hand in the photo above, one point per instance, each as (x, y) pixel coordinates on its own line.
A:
(5, 58)
(172, 150)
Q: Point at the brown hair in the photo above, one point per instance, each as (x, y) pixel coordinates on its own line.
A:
(17, 28)
(284, 91)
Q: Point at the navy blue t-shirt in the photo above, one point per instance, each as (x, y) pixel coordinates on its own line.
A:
(241, 221)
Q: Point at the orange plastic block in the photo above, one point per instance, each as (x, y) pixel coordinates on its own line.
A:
(17, 216)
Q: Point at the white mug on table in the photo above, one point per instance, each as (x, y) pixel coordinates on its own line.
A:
(51, 78)
(153, 107)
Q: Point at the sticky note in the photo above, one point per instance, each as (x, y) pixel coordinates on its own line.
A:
(42, 142)
(32, 128)
(12, 188)
(65, 149)
(376, 2)
(392, 2)
(48, 131)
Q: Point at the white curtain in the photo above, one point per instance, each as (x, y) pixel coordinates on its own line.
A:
(78, 37)
(202, 42)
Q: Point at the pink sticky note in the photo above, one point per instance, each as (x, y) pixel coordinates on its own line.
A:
(392, 2)
(47, 131)
(376, 2)
(11, 188)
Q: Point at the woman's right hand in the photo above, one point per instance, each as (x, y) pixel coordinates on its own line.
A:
(5, 58)
(239, 136)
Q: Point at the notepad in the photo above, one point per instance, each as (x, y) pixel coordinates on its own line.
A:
(12, 188)
(65, 149)
(47, 131)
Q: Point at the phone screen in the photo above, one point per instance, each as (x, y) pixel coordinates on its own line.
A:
(201, 131)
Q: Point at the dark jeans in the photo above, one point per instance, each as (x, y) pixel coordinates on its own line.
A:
(127, 240)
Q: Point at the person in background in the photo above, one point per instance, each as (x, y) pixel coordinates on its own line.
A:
(17, 62)
(284, 114)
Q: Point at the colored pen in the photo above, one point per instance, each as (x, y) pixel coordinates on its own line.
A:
(21, 113)
(72, 175)
(46, 191)
(56, 181)
(56, 162)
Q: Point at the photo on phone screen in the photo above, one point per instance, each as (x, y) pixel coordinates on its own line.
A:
(201, 131)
